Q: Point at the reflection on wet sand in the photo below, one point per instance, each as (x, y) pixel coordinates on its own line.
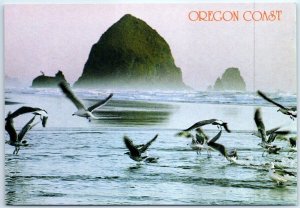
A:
(139, 113)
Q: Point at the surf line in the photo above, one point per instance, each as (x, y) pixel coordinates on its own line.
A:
(234, 15)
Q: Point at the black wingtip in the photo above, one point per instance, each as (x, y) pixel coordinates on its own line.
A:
(44, 121)
(226, 128)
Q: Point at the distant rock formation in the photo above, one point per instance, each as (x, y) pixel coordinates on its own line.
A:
(130, 54)
(47, 81)
(230, 80)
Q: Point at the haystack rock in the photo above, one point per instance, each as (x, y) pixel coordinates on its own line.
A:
(130, 54)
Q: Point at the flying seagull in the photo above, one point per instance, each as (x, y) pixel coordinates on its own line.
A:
(218, 123)
(272, 134)
(201, 140)
(290, 111)
(16, 139)
(26, 109)
(207, 143)
(82, 110)
(280, 176)
(266, 143)
(136, 151)
(201, 137)
(231, 156)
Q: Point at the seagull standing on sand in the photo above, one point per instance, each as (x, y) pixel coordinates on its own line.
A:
(290, 111)
(136, 152)
(218, 123)
(26, 109)
(14, 138)
(82, 110)
(280, 176)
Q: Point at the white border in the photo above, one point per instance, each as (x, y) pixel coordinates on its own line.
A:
(2, 2)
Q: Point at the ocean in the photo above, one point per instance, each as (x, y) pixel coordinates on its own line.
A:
(76, 162)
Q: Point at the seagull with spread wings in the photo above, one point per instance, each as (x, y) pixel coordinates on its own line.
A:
(266, 142)
(26, 109)
(217, 122)
(16, 139)
(231, 156)
(272, 134)
(82, 111)
(290, 111)
(137, 152)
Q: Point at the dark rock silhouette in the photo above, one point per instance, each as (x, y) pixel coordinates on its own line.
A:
(131, 54)
(230, 80)
(47, 81)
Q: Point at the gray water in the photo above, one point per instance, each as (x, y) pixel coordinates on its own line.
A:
(74, 162)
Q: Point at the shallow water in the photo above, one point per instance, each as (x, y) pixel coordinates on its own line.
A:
(74, 162)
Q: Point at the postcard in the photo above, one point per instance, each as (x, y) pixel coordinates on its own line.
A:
(150, 104)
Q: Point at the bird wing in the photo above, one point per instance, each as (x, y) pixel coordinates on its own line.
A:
(26, 128)
(100, 103)
(43, 115)
(200, 123)
(22, 110)
(293, 108)
(130, 146)
(283, 132)
(270, 100)
(185, 134)
(145, 147)
(226, 127)
(293, 141)
(218, 147)
(215, 138)
(44, 120)
(201, 133)
(271, 138)
(9, 127)
(69, 94)
(272, 130)
(260, 125)
(283, 172)
(200, 139)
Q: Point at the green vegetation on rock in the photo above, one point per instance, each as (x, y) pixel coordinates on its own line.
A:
(130, 54)
(230, 80)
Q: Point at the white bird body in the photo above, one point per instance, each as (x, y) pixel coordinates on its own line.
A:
(84, 113)
(275, 177)
(232, 159)
(279, 175)
(196, 146)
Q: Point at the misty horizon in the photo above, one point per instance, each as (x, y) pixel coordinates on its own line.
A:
(59, 40)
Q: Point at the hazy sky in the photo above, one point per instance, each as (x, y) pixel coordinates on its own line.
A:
(49, 38)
